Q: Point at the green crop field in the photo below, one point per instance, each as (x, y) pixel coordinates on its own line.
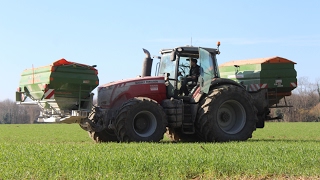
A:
(64, 151)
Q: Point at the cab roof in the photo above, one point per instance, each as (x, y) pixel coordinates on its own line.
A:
(187, 49)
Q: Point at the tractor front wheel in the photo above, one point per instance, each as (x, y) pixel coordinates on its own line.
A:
(140, 119)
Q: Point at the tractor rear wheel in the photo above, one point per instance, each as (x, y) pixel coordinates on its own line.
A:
(140, 119)
(226, 114)
(103, 136)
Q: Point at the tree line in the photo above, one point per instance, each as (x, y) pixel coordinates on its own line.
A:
(305, 100)
(12, 113)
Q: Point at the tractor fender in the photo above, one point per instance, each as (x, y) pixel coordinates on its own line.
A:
(197, 97)
(222, 81)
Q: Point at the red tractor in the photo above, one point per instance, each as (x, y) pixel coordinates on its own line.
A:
(144, 108)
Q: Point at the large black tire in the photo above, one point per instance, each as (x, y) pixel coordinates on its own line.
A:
(226, 114)
(103, 136)
(140, 119)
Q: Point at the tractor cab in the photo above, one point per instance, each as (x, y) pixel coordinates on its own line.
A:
(175, 65)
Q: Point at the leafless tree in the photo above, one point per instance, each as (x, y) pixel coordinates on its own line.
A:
(318, 87)
(304, 101)
(11, 113)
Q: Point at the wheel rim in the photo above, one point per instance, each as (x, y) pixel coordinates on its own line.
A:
(231, 117)
(144, 123)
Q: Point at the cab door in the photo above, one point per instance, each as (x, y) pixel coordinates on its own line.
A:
(207, 70)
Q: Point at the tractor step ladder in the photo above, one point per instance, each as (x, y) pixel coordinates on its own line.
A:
(187, 123)
(188, 128)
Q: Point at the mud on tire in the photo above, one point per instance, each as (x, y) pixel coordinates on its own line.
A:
(226, 114)
(140, 119)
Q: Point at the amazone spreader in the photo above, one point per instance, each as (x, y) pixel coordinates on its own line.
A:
(62, 89)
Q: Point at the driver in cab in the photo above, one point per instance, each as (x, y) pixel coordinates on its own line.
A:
(192, 77)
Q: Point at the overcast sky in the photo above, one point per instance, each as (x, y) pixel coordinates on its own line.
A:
(111, 34)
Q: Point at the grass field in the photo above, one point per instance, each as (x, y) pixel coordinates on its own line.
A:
(64, 151)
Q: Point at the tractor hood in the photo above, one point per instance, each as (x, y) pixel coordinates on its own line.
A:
(114, 94)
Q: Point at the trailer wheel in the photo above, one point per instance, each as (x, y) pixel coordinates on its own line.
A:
(140, 119)
(103, 136)
(226, 114)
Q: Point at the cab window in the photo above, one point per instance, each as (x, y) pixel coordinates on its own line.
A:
(167, 66)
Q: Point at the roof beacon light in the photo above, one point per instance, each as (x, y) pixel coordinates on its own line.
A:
(218, 45)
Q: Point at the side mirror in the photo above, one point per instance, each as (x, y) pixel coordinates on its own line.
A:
(173, 55)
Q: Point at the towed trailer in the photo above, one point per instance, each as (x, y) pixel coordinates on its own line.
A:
(62, 90)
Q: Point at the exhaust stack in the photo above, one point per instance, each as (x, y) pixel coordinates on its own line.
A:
(147, 64)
